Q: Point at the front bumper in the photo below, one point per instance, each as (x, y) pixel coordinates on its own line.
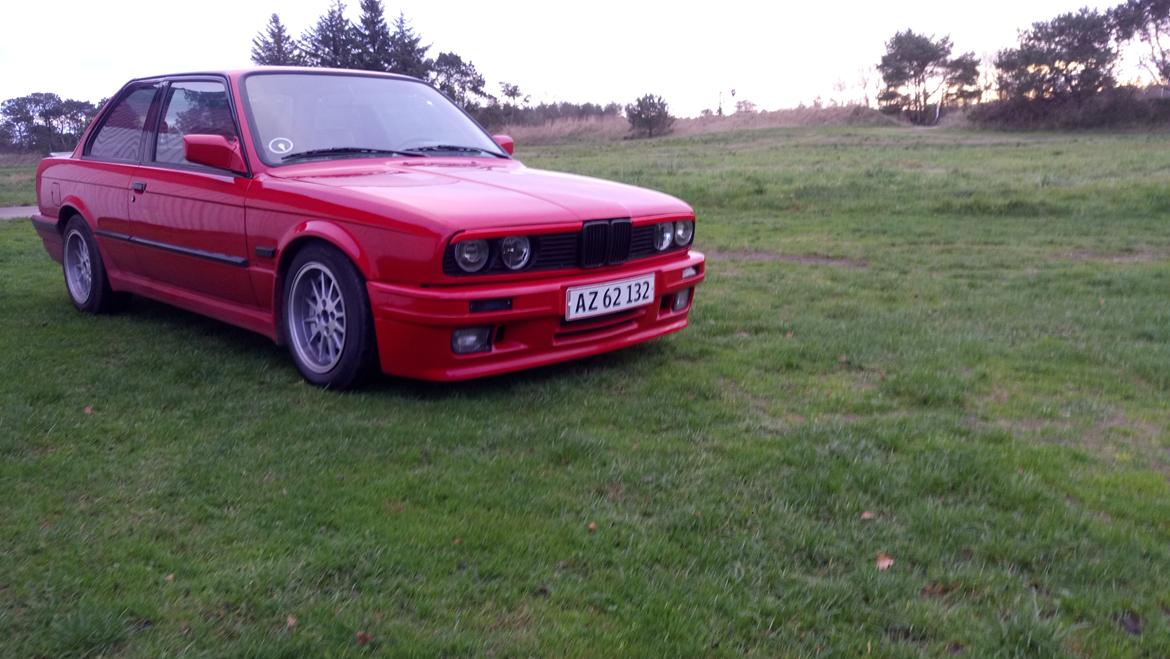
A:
(414, 325)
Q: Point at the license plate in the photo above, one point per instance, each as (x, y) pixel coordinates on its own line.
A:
(600, 299)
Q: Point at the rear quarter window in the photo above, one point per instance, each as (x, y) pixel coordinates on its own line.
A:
(121, 133)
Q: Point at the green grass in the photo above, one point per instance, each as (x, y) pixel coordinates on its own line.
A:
(966, 334)
(17, 187)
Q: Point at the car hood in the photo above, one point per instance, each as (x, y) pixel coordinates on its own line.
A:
(474, 193)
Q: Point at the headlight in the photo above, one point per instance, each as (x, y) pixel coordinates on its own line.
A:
(471, 255)
(683, 233)
(663, 234)
(515, 251)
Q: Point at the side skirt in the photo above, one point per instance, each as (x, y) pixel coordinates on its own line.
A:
(249, 318)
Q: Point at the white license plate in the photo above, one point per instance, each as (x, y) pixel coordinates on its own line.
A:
(600, 299)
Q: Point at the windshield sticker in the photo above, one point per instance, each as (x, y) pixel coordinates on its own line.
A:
(280, 145)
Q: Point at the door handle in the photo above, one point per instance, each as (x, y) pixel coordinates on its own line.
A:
(138, 186)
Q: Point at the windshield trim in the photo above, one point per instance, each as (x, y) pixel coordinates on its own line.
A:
(254, 132)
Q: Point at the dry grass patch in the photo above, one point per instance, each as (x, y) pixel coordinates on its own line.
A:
(613, 128)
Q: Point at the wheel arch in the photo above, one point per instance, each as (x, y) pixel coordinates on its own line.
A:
(67, 211)
(304, 235)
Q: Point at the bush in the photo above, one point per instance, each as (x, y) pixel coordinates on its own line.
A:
(649, 116)
(1116, 108)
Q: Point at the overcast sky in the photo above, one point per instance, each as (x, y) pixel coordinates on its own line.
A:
(776, 54)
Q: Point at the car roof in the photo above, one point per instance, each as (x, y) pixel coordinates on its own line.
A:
(238, 73)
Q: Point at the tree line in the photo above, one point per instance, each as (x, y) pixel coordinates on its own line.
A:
(373, 44)
(1061, 72)
(43, 122)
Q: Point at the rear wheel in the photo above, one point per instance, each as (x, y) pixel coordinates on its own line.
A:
(85, 273)
(327, 320)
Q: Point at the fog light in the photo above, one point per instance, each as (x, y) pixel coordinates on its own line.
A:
(690, 272)
(681, 300)
(471, 339)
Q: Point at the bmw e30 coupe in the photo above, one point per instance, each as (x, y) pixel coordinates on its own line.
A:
(362, 220)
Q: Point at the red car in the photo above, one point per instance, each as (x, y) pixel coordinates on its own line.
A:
(361, 219)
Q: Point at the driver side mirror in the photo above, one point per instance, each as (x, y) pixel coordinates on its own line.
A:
(506, 143)
(214, 151)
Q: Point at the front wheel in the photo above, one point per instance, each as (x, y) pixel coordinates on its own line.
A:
(327, 320)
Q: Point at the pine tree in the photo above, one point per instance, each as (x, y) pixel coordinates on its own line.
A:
(274, 46)
(407, 55)
(373, 37)
(332, 42)
(458, 79)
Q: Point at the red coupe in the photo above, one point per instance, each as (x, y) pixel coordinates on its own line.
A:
(360, 219)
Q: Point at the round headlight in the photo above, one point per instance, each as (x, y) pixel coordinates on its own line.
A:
(683, 233)
(663, 234)
(515, 251)
(471, 255)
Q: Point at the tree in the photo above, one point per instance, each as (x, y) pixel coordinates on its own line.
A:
(1149, 21)
(273, 46)
(918, 72)
(43, 122)
(407, 54)
(459, 79)
(332, 42)
(964, 87)
(513, 94)
(649, 115)
(373, 37)
(1069, 58)
(864, 83)
(745, 107)
(510, 91)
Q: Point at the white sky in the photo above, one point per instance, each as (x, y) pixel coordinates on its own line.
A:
(776, 54)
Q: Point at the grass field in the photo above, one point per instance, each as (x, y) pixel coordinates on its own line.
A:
(950, 349)
(16, 184)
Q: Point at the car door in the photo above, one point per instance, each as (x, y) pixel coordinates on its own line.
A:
(102, 182)
(187, 218)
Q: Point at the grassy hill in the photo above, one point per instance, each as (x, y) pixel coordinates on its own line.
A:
(950, 350)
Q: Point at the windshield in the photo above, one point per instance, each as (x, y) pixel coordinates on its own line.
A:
(302, 116)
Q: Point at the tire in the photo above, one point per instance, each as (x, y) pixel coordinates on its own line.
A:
(326, 319)
(85, 272)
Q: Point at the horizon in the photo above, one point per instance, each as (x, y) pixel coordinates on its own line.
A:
(741, 45)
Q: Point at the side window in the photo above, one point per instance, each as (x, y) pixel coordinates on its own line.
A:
(192, 108)
(120, 135)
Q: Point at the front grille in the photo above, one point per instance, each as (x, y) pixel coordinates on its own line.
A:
(642, 242)
(619, 241)
(555, 251)
(594, 244)
(602, 242)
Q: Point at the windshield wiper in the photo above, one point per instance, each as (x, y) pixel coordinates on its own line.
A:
(345, 150)
(430, 148)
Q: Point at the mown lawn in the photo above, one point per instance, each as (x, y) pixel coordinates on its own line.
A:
(951, 349)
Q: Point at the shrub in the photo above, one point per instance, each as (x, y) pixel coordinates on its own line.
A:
(1115, 108)
(649, 116)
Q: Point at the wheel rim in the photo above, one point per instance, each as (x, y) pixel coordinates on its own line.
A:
(78, 268)
(316, 315)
